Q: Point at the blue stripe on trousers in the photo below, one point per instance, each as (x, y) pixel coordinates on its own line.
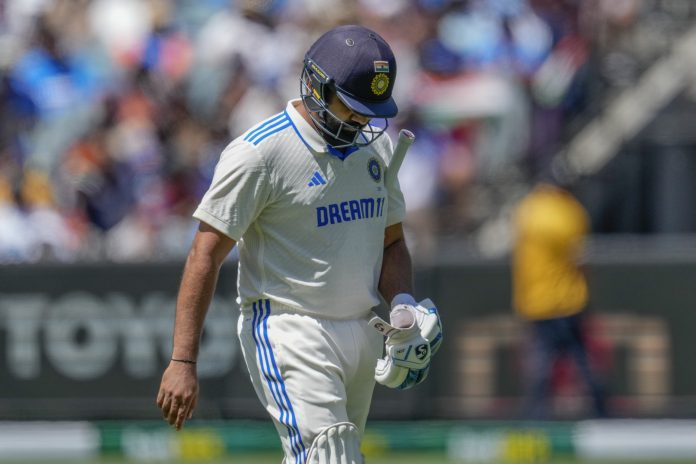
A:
(263, 361)
(274, 380)
(303, 451)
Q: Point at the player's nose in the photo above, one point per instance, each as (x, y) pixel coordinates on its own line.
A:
(359, 119)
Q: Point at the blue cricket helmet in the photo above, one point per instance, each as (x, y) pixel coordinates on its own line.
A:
(358, 66)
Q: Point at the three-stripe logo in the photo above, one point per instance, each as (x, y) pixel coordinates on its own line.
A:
(268, 127)
(316, 179)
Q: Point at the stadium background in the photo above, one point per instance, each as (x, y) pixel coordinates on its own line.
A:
(112, 115)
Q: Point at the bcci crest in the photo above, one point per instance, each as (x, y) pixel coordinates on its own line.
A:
(379, 84)
(375, 169)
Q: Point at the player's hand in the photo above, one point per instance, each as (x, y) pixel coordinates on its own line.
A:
(178, 393)
(408, 349)
(406, 362)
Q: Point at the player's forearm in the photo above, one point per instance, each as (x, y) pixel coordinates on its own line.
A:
(397, 272)
(195, 294)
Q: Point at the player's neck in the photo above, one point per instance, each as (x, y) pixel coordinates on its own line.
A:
(304, 113)
(341, 153)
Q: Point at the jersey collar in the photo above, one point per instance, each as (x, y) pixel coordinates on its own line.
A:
(309, 135)
(341, 154)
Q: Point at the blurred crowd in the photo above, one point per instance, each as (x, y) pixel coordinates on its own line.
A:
(113, 112)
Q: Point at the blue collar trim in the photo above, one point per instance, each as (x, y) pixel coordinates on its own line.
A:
(341, 154)
(297, 131)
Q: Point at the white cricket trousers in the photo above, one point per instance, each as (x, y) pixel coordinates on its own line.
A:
(309, 373)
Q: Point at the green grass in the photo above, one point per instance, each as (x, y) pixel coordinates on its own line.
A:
(270, 458)
(275, 458)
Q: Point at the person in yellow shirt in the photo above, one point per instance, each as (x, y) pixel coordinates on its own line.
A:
(550, 289)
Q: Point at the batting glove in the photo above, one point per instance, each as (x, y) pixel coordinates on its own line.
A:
(413, 336)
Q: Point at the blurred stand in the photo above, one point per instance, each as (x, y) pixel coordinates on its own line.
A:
(123, 106)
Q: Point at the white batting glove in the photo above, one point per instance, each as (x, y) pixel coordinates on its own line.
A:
(413, 336)
(429, 322)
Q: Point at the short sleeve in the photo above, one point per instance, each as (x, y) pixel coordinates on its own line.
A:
(238, 193)
(396, 205)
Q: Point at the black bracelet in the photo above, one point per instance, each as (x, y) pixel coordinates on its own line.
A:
(186, 361)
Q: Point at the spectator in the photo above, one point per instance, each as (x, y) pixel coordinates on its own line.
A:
(550, 290)
(53, 238)
(16, 241)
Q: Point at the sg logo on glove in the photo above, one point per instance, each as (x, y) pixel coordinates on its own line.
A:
(421, 351)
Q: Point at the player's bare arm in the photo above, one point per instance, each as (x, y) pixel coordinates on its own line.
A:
(178, 393)
(397, 273)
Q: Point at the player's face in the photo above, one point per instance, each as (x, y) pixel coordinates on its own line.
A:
(343, 122)
(340, 110)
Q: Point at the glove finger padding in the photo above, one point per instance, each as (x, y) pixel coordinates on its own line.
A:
(401, 378)
(404, 365)
(390, 375)
(428, 320)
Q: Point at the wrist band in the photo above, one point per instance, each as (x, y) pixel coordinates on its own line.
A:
(185, 361)
(403, 298)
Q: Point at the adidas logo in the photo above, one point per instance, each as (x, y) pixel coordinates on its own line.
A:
(316, 179)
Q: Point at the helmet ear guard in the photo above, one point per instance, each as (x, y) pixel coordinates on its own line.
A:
(314, 84)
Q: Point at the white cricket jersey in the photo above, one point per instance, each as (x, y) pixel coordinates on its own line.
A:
(309, 226)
